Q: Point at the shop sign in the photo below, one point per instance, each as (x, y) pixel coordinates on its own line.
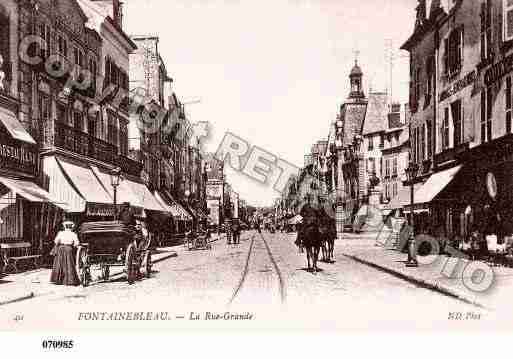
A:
(459, 85)
(491, 185)
(18, 157)
(214, 191)
(498, 70)
(100, 209)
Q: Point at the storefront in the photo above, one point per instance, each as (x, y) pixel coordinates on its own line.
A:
(481, 198)
(22, 200)
(182, 219)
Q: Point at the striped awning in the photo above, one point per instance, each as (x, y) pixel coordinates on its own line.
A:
(181, 213)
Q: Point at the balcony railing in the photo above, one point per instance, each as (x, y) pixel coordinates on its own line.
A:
(71, 139)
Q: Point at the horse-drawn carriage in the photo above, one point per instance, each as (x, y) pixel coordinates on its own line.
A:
(198, 240)
(112, 244)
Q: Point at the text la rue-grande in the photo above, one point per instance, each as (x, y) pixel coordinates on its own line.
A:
(220, 316)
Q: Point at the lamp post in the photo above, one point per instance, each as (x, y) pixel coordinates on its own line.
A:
(411, 170)
(115, 178)
(340, 190)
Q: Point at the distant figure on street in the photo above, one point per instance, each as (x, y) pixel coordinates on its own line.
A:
(235, 231)
(63, 271)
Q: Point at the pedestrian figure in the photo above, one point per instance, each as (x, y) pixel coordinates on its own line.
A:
(63, 271)
(236, 231)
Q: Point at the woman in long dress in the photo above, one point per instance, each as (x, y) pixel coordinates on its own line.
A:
(64, 271)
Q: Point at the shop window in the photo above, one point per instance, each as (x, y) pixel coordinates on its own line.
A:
(508, 104)
(508, 19)
(457, 122)
(486, 30)
(445, 129)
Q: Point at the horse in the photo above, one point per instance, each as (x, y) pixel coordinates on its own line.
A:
(311, 240)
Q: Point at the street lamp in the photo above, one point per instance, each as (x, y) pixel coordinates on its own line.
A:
(411, 171)
(115, 179)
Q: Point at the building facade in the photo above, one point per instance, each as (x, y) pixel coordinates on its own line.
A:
(468, 186)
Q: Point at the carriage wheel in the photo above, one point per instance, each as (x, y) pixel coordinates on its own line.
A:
(148, 264)
(130, 264)
(82, 266)
(105, 272)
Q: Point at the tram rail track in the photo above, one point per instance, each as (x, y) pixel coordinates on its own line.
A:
(246, 270)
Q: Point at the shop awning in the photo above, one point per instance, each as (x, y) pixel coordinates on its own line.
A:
(124, 192)
(32, 192)
(183, 214)
(147, 200)
(14, 127)
(175, 212)
(86, 182)
(435, 184)
(76, 185)
(403, 197)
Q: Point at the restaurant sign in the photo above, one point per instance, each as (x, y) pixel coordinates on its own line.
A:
(498, 70)
(459, 85)
(18, 157)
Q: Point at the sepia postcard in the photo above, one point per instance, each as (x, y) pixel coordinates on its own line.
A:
(325, 165)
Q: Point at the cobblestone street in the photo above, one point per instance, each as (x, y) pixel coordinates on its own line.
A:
(265, 276)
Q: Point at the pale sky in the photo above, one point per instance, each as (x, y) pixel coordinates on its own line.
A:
(274, 72)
